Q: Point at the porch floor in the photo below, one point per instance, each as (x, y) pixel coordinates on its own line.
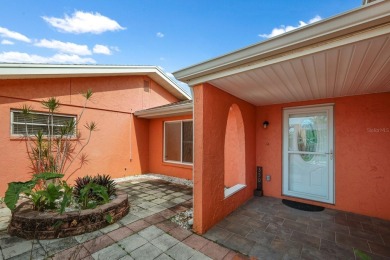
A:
(265, 228)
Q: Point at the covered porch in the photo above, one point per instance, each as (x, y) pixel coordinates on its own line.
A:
(341, 63)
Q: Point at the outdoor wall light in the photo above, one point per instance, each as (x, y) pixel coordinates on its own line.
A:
(265, 124)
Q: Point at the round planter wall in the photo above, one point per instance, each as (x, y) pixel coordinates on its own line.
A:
(30, 224)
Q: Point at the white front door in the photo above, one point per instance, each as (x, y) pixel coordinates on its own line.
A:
(308, 153)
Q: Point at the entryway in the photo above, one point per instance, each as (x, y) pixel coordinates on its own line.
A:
(264, 228)
(308, 161)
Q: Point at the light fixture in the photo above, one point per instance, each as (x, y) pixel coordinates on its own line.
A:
(265, 124)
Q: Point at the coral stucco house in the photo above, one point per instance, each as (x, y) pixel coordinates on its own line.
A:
(125, 144)
(311, 106)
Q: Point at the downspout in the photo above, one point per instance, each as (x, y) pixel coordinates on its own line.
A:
(193, 136)
(191, 221)
(131, 136)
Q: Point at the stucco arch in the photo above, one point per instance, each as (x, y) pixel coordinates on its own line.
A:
(234, 149)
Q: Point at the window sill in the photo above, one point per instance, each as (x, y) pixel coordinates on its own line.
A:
(178, 164)
(236, 188)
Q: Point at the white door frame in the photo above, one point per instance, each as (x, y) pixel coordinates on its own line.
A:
(328, 108)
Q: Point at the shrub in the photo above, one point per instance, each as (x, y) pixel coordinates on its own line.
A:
(80, 183)
(52, 151)
(92, 195)
(43, 196)
(88, 190)
(55, 149)
(107, 182)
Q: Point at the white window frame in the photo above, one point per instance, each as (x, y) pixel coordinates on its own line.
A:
(181, 142)
(12, 123)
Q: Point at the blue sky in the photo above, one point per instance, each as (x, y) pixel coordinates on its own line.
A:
(172, 34)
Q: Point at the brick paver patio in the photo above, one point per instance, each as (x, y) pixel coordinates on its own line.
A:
(267, 229)
(263, 228)
(145, 233)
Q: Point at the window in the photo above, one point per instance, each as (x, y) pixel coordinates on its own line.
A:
(178, 142)
(32, 123)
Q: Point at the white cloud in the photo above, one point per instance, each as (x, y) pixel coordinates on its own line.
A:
(315, 19)
(21, 57)
(282, 29)
(66, 58)
(64, 47)
(160, 35)
(7, 42)
(5, 33)
(84, 22)
(101, 49)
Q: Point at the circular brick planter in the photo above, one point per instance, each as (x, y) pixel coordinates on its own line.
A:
(31, 224)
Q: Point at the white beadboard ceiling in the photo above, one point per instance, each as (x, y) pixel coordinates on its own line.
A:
(357, 68)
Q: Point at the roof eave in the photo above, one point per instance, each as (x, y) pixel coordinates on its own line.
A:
(30, 71)
(177, 110)
(350, 22)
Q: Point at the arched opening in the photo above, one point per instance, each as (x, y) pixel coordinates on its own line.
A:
(234, 152)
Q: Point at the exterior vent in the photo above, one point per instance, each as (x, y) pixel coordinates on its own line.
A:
(146, 85)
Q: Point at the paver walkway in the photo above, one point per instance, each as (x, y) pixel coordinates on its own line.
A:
(267, 229)
(263, 228)
(145, 233)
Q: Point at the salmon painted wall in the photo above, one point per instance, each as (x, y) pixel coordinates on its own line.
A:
(362, 146)
(156, 140)
(234, 150)
(211, 109)
(114, 99)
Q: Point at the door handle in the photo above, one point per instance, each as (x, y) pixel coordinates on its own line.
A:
(331, 154)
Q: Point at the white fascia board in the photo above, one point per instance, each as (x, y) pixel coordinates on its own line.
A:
(347, 23)
(175, 110)
(29, 71)
(11, 70)
(173, 83)
(292, 55)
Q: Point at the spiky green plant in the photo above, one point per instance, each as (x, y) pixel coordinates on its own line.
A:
(106, 181)
(99, 196)
(51, 153)
(59, 148)
(80, 183)
(102, 180)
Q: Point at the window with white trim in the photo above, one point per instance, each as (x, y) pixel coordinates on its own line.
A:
(30, 124)
(178, 141)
